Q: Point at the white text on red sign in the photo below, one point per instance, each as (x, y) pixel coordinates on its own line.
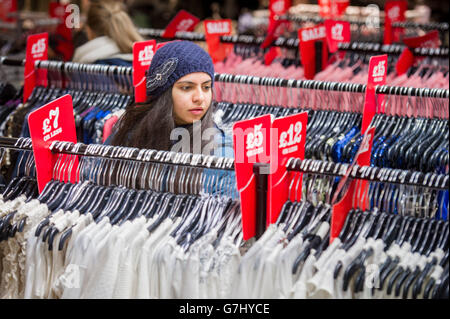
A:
(255, 141)
(379, 71)
(278, 6)
(146, 55)
(336, 32)
(50, 126)
(185, 24)
(38, 49)
(290, 138)
(313, 34)
(394, 13)
(218, 27)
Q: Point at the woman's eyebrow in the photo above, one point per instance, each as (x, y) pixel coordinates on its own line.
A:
(192, 83)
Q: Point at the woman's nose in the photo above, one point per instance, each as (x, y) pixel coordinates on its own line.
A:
(198, 96)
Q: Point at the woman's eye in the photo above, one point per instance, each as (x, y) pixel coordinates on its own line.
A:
(206, 87)
(185, 88)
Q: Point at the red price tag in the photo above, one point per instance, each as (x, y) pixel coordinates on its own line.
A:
(277, 8)
(143, 53)
(377, 76)
(288, 141)
(214, 29)
(65, 44)
(37, 49)
(7, 9)
(394, 12)
(183, 21)
(337, 32)
(340, 210)
(406, 59)
(251, 145)
(311, 60)
(52, 122)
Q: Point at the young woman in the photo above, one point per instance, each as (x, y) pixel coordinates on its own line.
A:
(111, 35)
(178, 113)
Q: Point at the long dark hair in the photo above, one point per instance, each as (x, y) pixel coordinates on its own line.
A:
(149, 125)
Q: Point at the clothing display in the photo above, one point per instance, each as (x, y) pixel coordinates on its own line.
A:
(146, 222)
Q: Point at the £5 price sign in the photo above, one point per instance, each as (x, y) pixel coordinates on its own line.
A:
(37, 49)
(143, 53)
(52, 122)
(251, 142)
(377, 76)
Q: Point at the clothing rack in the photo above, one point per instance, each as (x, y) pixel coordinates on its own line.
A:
(443, 27)
(307, 166)
(244, 79)
(293, 43)
(125, 153)
(331, 86)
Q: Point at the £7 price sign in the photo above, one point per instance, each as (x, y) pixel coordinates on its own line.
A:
(51, 122)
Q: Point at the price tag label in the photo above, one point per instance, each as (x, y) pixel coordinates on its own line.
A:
(37, 49)
(394, 12)
(183, 21)
(377, 76)
(288, 141)
(337, 32)
(143, 53)
(52, 122)
(214, 29)
(277, 8)
(64, 44)
(340, 209)
(251, 142)
(7, 9)
(407, 59)
(313, 61)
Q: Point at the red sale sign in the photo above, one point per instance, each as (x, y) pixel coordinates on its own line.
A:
(277, 8)
(377, 76)
(394, 12)
(8, 9)
(65, 44)
(251, 142)
(37, 49)
(214, 29)
(183, 21)
(340, 210)
(407, 59)
(288, 138)
(311, 40)
(143, 53)
(332, 8)
(337, 32)
(52, 122)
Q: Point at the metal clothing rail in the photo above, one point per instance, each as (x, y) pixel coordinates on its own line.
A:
(245, 79)
(125, 153)
(331, 86)
(308, 166)
(371, 173)
(293, 43)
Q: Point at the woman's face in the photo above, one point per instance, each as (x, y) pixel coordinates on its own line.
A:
(191, 95)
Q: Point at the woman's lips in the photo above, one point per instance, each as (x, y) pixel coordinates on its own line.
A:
(196, 111)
